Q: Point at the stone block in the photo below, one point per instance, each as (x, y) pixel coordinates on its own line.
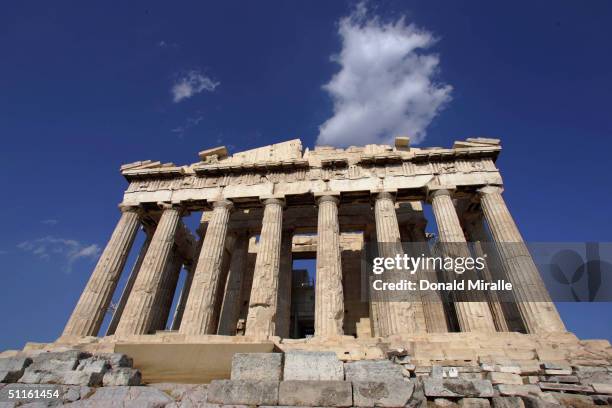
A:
(304, 365)
(119, 396)
(474, 403)
(565, 387)
(507, 402)
(602, 399)
(122, 376)
(518, 390)
(569, 379)
(601, 388)
(315, 393)
(504, 378)
(457, 387)
(42, 377)
(382, 394)
(373, 370)
(12, 368)
(82, 378)
(117, 359)
(243, 392)
(571, 400)
(444, 403)
(535, 402)
(57, 361)
(257, 366)
(531, 379)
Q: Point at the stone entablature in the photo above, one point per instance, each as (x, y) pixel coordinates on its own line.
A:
(286, 171)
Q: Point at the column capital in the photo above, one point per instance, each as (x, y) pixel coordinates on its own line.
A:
(223, 203)
(384, 194)
(490, 189)
(439, 190)
(164, 205)
(278, 200)
(323, 196)
(129, 208)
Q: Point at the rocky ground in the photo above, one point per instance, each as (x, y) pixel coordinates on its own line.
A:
(301, 378)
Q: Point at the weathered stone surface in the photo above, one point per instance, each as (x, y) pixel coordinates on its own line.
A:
(257, 366)
(504, 378)
(569, 379)
(119, 396)
(116, 359)
(445, 403)
(457, 388)
(572, 400)
(57, 361)
(518, 390)
(315, 393)
(12, 368)
(602, 399)
(243, 392)
(82, 378)
(565, 387)
(535, 402)
(304, 365)
(602, 388)
(122, 376)
(373, 370)
(474, 403)
(382, 393)
(507, 402)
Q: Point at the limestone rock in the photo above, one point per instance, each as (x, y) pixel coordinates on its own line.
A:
(120, 396)
(445, 403)
(315, 393)
(504, 378)
(243, 392)
(507, 402)
(524, 390)
(257, 366)
(305, 365)
(565, 387)
(474, 403)
(12, 368)
(572, 400)
(382, 394)
(457, 387)
(535, 402)
(122, 376)
(602, 388)
(81, 378)
(373, 370)
(116, 359)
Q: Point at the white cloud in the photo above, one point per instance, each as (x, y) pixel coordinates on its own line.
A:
(69, 250)
(50, 221)
(190, 84)
(385, 86)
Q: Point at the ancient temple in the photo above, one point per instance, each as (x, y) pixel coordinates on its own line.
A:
(263, 208)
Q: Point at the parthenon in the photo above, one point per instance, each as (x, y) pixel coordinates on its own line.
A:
(263, 208)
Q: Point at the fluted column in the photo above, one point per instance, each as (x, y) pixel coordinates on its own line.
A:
(163, 301)
(283, 319)
(395, 316)
(433, 308)
(199, 316)
(127, 289)
(88, 314)
(472, 316)
(138, 313)
(230, 308)
(182, 301)
(476, 233)
(537, 309)
(261, 319)
(329, 296)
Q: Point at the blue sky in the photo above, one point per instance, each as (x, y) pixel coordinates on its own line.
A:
(87, 87)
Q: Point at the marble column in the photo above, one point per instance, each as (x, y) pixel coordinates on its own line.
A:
(472, 316)
(182, 301)
(329, 296)
(165, 294)
(88, 314)
(138, 314)
(537, 309)
(127, 289)
(283, 318)
(199, 316)
(433, 308)
(395, 316)
(477, 235)
(230, 308)
(261, 318)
